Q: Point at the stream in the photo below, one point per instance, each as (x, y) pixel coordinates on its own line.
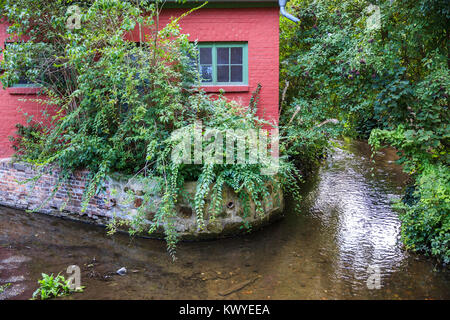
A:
(344, 236)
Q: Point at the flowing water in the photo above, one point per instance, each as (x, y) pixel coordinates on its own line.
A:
(344, 243)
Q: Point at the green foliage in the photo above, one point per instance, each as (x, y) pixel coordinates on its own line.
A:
(367, 78)
(426, 221)
(425, 213)
(118, 103)
(51, 287)
(390, 83)
(308, 98)
(305, 134)
(5, 286)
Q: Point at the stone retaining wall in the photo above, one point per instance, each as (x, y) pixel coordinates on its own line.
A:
(120, 198)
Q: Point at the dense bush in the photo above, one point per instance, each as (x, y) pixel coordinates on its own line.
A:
(425, 213)
(388, 80)
(426, 222)
(119, 103)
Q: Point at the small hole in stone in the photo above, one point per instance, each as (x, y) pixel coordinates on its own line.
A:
(230, 205)
(137, 202)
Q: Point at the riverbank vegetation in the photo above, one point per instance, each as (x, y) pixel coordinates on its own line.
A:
(112, 106)
(383, 72)
(375, 70)
(5, 286)
(51, 286)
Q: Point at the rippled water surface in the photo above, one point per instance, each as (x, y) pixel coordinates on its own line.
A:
(345, 231)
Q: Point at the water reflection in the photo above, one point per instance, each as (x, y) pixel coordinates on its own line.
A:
(345, 226)
(357, 206)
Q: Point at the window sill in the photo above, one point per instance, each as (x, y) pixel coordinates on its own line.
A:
(225, 88)
(24, 90)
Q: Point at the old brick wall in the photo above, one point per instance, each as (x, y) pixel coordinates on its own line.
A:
(17, 193)
(120, 197)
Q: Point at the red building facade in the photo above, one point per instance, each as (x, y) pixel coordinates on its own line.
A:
(244, 32)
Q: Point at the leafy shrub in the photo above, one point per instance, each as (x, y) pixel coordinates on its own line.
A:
(119, 103)
(51, 287)
(426, 221)
(389, 83)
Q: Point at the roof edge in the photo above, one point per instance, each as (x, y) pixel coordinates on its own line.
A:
(223, 4)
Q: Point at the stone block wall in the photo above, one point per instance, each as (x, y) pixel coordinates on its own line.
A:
(26, 188)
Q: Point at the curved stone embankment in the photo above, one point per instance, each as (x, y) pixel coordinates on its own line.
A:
(121, 198)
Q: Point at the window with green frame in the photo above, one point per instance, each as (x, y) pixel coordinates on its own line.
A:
(23, 82)
(223, 63)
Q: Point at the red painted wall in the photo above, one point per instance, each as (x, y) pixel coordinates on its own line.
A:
(9, 108)
(257, 26)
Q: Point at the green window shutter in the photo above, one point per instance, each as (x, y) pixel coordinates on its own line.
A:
(223, 63)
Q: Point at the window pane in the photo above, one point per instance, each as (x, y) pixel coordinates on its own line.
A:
(205, 55)
(223, 55)
(236, 55)
(223, 74)
(236, 73)
(24, 80)
(206, 72)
